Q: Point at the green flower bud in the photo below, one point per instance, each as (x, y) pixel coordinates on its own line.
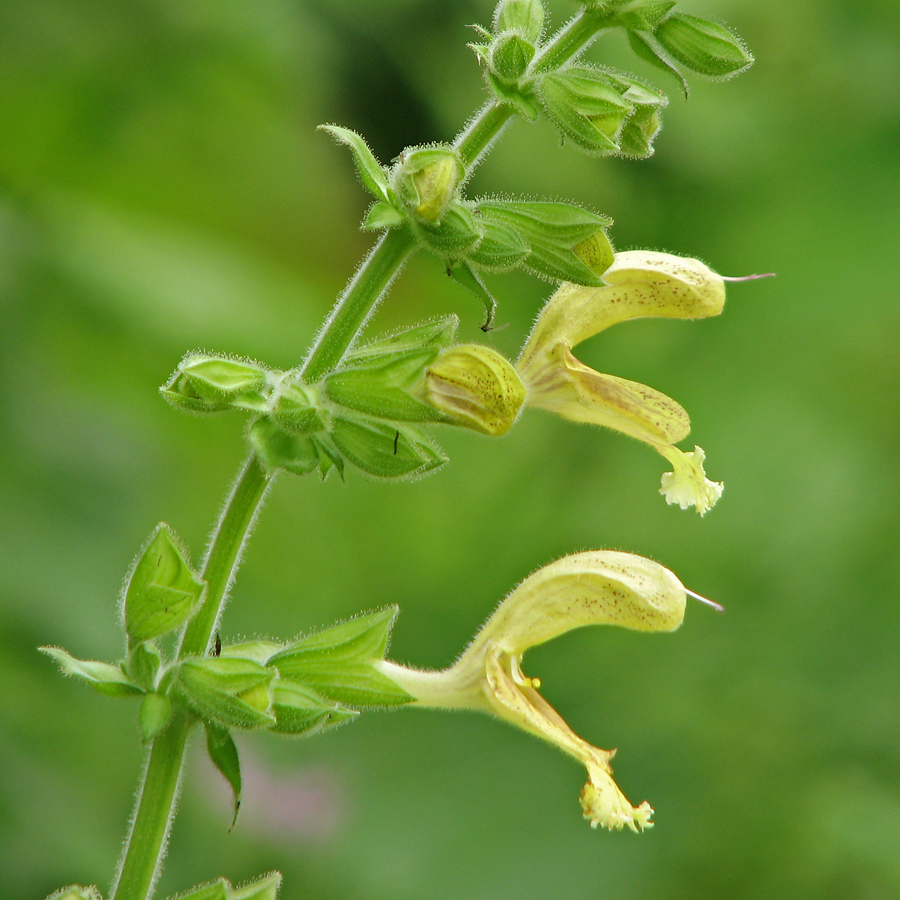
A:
(76, 892)
(596, 252)
(383, 390)
(510, 57)
(204, 383)
(338, 663)
(385, 451)
(586, 107)
(704, 47)
(552, 231)
(277, 448)
(476, 387)
(296, 409)
(229, 690)
(522, 17)
(426, 180)
(299, 710)
(453, 236)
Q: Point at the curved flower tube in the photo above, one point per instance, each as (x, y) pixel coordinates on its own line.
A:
(640, 283)
(600, 587)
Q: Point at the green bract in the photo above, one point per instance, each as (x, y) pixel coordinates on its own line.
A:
(107, 679)
(162, 590)
(155, 712)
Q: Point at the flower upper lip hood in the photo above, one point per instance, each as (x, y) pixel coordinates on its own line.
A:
(599, 587)
(640, 283)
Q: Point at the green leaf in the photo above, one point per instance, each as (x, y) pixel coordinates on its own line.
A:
(280, 449)
(162, 591)
(298, 710)
(464, 275)
(702, 46)
(107, 679)
(370, 171)
(156, 709)
(383, 450)
(224, 755)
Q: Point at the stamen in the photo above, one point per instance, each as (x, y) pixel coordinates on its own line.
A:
(746, 277)
(716, 606)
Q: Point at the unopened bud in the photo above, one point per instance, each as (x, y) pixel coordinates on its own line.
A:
(596, 252)
(510, 56)
(76, 892)
(229, 690)
(703, 46)
(213, 384)
(426, 181)
(476, 387)
(523, 17)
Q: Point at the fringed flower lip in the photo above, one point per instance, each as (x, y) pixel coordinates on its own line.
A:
(640, 283)
(598, 587)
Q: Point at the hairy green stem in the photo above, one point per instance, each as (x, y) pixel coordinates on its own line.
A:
(146, 844)
(476, 138)
(572, 38)
(357, 302)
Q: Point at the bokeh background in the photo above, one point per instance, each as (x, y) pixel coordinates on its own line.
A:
(163, 188)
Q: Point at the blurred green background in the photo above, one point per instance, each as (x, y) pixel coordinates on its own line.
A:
(163, 188)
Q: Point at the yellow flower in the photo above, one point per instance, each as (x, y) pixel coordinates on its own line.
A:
(600, 587)
(639, 283)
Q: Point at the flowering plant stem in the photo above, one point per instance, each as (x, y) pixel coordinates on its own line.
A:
(146, 843)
